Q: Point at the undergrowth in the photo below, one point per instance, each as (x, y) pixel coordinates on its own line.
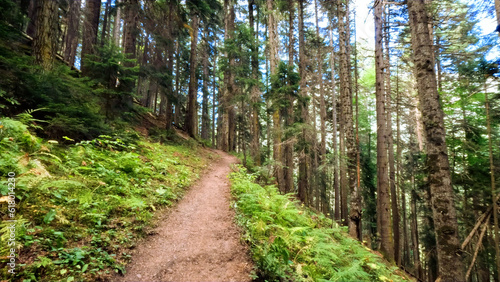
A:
(81, 207)
(290, 243)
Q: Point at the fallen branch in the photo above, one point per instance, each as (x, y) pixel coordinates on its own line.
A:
(480, 220)
(476, 251)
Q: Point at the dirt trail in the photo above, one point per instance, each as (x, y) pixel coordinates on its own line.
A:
(198, 240)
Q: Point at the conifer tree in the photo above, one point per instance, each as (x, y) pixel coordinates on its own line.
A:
(444, 213)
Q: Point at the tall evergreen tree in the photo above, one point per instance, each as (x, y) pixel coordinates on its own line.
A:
(190, 123)
(443, 209)
(383, 200)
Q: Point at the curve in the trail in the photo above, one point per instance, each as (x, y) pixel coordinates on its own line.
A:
(198, 240)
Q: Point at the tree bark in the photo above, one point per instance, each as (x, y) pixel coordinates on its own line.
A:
(334, 134)
(358, 148)
(450, 265)
(130, 32)
(390, 144)
(354, 219)
(170, 65)
(177, 116)
(72, 36)
(231, 87)
(322, 114)
(32, 15)
(273, 62)
(497, 11)
(117, 24)
(288, 150)
(190, 122)
(399, 175)
(143, 79)
(46, 33)
(304, 149)
(414, 235)
(205, 118)
(496, 233)
(105, 23)
(90, 27)
(255, 92)
(214, 99)
(383, 200)
(226, 138)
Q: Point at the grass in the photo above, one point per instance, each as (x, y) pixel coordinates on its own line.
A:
(81, 207)
(291, 243)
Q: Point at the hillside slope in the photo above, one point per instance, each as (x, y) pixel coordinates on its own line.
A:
(291, 243)
(80, 207)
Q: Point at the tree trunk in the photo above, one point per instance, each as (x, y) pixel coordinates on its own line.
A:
(130, 32)
(170, 66)
(496, 232)
(358, 148)
(390, 144)
(143, 79)
(90, 28)
(46, 33)
(72, 36)
(450, 266)
(177, 116)
(497, 11)
(344, 212)
(224, 143)
(414, 235)
(205, 118)
(399, 174)
(315, 189)
(231, 89)
(334, 137)
(322, 114)
(159, 63)
(214, 87)
(383, 200)
(304, 149)
(105, 23)
(255, 92)
(117, 24)
(273, 62)
(288, 154)
(354, 219)
(193, 83)
(32, 15)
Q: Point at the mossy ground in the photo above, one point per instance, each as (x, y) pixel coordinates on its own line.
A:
(81, 207)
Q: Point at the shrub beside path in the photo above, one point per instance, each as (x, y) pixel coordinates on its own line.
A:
(198, 240)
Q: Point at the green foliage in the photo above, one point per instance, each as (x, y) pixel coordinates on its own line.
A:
(15, 140)
(81, 207)
(10, 17)
(292, 243)
(109, 70)
(65, 102)
(284, 83)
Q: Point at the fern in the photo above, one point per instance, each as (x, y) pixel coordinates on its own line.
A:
(287, 243)
(28, 119)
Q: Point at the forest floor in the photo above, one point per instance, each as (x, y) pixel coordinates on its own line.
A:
(198, 239)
